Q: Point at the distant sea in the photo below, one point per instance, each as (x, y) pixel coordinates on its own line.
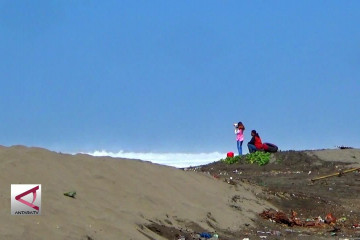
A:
(178, 160)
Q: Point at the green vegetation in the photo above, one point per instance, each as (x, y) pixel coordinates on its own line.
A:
(231, 160)
(261, 158)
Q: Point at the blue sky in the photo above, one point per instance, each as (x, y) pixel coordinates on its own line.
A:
(173, 76)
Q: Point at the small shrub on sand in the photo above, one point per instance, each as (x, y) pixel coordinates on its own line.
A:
(261, 158)
(231, 160)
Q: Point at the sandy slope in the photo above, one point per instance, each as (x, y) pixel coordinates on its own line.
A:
(114, 197)
(336, 155)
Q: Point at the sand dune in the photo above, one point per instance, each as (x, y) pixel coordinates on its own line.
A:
(115, 197)
(335, 155)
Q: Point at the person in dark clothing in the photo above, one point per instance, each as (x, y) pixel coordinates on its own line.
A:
(255, 143)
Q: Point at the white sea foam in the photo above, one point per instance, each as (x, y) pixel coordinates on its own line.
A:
(170, 159)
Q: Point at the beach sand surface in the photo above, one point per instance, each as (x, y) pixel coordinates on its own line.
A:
(335, 155)
(116, 198)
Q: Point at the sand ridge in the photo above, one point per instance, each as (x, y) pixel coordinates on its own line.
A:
(116, 197)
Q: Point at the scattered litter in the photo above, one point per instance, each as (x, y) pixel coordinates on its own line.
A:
(304, 235)
(356, 225)
(276, 233)
(320, 219)
(330, 218)
(276, 172)
(230, 181)
(293, 220)
(237, 172)
(205, 235)
(70, 194)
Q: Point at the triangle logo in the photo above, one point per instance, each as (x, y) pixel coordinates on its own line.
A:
(33, 191)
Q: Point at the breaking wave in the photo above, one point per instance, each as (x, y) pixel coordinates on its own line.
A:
(178, 160)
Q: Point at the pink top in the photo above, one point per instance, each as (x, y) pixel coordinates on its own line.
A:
(239, 134)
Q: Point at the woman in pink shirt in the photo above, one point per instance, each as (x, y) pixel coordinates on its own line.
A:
(239, 131)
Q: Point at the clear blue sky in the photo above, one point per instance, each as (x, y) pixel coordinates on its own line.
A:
(173, 76)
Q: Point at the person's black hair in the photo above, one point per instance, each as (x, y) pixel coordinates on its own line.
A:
(254, 132)
(241, 124)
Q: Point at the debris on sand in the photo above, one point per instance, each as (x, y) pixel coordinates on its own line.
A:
(293, 220)
(330, 219)
(338, 174)
(344, 147)
(70, 194)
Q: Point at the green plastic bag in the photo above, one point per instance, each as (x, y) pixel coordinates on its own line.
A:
(70, 194)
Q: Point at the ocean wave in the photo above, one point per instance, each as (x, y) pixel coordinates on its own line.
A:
(178, 160)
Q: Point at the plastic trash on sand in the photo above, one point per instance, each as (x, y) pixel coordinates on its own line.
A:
(205, 235)
(230, 154)
(70, 194)
(330, 218)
